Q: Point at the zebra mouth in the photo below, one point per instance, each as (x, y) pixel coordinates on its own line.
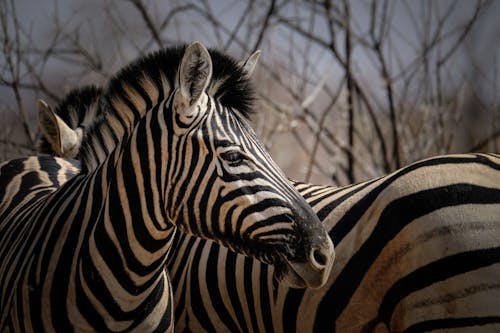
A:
(300, 275)
(291, 278)
(311, 273)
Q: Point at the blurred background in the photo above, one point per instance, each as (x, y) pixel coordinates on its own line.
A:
(348, 90)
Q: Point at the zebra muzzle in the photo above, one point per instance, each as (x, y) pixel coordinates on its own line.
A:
(314, 271)
(312, 261)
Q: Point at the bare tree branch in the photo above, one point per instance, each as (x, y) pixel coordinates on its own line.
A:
(12, 53)
(148, 21)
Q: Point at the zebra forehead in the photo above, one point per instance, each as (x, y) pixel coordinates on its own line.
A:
(229, 84)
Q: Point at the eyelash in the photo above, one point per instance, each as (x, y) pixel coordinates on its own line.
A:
(233, 158)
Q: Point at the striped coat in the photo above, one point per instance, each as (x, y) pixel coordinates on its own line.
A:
(417, 251)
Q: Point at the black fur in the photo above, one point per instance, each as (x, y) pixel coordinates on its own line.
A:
(235, 92)
(229, 85)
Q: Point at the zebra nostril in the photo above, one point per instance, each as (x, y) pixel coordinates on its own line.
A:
(319, 258)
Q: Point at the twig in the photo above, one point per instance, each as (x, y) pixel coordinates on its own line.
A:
(149, 22)
(265, 24)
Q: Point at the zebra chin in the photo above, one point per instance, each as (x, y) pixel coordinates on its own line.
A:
(312, 273)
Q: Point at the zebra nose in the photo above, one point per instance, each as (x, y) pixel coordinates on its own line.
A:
(314, 271)
(322, 254)
(319, 258)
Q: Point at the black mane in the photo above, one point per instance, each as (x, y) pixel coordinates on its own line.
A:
(229, 84)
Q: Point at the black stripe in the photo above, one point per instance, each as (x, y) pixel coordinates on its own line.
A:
(235, 301)
(125, 99)
(139, 88)
(327, 209)
(434, 272)
(291, 308)
(395, 216)
(348, 222)
(105, 245)
(196, 299)
(143, 150)
(248, 279)
(212, 276)
(158, 160)
(60, 282)
(166, 321)
(439, 324)
(134, 204)
(87, 309)
(265, 297)
(182, 270)
(185, 192)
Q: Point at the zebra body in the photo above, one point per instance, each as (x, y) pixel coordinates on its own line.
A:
(88, 254)
(417, 250)
(438, 271)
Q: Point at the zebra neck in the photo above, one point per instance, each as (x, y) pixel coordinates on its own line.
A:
(135, 202)
(109, 131)
(125, 103)
(127, 247)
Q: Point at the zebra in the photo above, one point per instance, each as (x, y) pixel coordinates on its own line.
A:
(417, 250)
(170, 151)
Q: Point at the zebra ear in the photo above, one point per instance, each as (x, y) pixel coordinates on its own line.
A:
(248, 65)
(195, 72)
(61, 137)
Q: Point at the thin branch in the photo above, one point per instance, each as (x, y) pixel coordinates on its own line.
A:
(350, 89)
(240, 21)
(377, 47)
(484, 142)
(148, 21)
(321, 126)
(265, 24)
(11, 51)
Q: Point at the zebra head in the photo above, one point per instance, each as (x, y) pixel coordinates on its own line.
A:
(228, 189)
(232, 181)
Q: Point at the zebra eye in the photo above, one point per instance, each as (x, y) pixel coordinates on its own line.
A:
(233, 157)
